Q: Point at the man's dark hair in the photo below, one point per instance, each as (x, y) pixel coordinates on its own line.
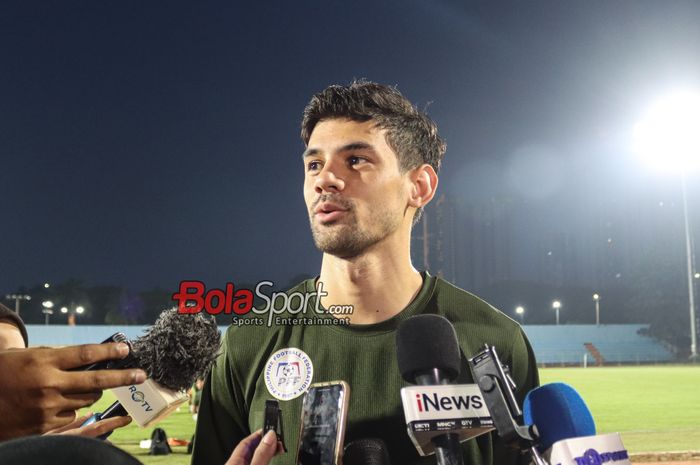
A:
(410, 133)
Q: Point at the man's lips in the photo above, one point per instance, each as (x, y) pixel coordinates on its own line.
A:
(325, 217)
(328, 211)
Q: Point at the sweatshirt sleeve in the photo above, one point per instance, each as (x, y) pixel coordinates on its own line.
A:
(222, 419)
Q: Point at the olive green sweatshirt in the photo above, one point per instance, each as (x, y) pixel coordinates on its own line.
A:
(255, 366)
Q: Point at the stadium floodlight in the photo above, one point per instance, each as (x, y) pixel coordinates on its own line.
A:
(47, 285)
(556, 305)
(64, 309)
(521, 311)
(47, 310)
(17, 298)
(79, 310)
(668, 139)
(697, 275)
(596, 300)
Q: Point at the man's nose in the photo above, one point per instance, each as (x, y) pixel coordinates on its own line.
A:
(329, 180)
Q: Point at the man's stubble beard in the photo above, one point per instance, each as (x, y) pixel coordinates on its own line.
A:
(346, 239)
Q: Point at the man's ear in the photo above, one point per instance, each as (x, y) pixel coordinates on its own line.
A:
(424, 182)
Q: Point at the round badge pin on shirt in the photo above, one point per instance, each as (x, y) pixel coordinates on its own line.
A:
(288, 373)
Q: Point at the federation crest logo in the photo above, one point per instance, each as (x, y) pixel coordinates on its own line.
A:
(288, 373)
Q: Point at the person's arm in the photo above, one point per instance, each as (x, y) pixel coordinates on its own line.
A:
(12, 326)
(92, 430)
(10, 335)
(42, 394)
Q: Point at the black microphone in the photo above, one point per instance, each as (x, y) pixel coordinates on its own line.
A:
(173, 352)
(498, 391)
(428, 354)
(368, 451)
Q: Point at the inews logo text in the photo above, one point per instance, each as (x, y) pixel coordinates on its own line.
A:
(193, 297)
(426, 403)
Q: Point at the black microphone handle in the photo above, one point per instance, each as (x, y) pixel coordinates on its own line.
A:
(114, 410)
(127, 362)
(448, 450)
(432, 377)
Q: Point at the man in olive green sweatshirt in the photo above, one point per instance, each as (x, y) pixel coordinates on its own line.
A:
(371, 164)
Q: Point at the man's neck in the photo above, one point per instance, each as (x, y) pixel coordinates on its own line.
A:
(378, 284)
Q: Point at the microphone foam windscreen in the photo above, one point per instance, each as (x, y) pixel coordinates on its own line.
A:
(366, 452)
(177, 348)
(559, 413)
(424, 342)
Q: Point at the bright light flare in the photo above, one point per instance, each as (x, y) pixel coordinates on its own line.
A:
(668, 138)
(79, 310)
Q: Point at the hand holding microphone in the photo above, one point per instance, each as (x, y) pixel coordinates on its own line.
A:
(41, 393)
(256, 449)
(91, 430)
(174, 351)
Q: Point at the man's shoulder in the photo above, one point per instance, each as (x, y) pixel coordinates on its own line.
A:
(477, 323)
(458, 305)
(474, 319)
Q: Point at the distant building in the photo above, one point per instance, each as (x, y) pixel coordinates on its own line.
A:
(477, 244)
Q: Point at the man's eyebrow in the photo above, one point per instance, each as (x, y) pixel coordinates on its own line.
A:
(345, 148)
(356, 146)
(309, 153)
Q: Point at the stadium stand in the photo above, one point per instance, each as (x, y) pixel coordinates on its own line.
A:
(65, 335)
(567, 344)
(553, 345)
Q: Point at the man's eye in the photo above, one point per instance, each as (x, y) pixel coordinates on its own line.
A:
(355, 160)
(313, 165)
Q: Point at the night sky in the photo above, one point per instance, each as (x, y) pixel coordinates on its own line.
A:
(142, 144)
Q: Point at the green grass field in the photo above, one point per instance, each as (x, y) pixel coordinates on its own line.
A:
(655, 408)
